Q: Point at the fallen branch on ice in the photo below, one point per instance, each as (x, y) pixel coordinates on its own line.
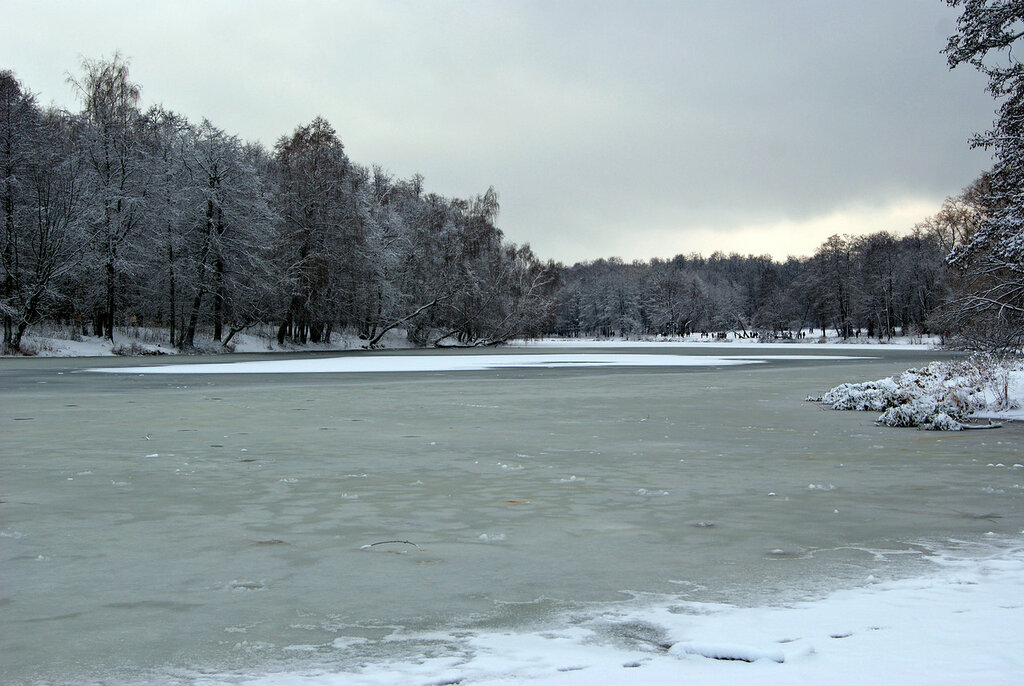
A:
(370, 545)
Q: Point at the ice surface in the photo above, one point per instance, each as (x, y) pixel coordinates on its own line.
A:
(209, 565)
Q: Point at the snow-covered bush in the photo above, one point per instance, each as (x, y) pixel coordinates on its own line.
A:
(940, 396)
(871, 395)
(943, 422)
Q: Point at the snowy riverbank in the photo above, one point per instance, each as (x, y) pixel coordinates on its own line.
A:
(942, 396)
(808, 339)
(142, 342)
(960, 624)
(138, 341)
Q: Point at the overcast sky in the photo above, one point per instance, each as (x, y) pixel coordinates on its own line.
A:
(635, 129)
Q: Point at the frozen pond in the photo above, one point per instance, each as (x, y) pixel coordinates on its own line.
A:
(158, 527)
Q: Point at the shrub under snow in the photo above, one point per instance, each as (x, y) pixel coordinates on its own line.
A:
(940, 396)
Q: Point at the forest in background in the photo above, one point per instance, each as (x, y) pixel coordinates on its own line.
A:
(118, 216)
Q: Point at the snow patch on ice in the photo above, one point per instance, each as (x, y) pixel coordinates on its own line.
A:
(459, 362)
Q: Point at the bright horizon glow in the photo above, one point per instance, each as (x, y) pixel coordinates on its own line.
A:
(780, 238)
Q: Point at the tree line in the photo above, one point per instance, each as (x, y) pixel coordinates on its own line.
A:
(117, 216)
(878, 285)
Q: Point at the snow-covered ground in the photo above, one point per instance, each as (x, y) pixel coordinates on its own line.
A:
(815, 342)
(963, 624)
(942, 395)
(142, 341)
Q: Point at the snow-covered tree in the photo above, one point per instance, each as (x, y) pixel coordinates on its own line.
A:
(168, 222)
(19, 119)
(118, 182)
(315, 205)
(991, 307)
(233, 225)
(834, 270)
(44, 209)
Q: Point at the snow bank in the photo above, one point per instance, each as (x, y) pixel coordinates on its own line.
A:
(941, 396)
(960, 625)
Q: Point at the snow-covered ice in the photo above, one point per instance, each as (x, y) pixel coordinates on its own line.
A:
(458, 362)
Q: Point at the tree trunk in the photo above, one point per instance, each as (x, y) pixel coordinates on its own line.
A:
(9, 256)
(170, 292)
(282, 331)
(218, 299)
(231, 334)
(108, 324)
(15, 345)
(398, 322)
(189, 338)
(218, 277)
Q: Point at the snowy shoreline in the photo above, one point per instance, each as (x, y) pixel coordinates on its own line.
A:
(960, 623)
(146, 342)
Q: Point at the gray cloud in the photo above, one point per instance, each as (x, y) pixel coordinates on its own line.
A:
(608, 128)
